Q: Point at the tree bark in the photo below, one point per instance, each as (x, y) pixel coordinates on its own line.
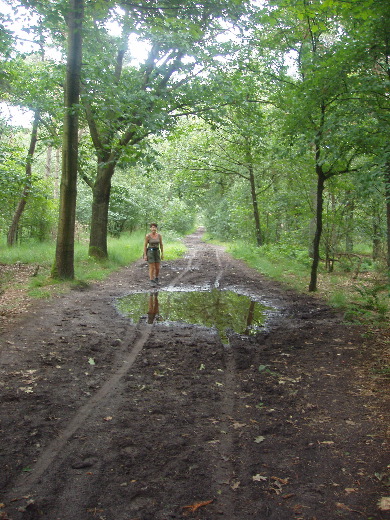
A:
(57, 172)
(13, 229)
(49, 152)
(312, 223)
(376, 233)
(387, 193)
(100, 204)
(318, 232)
(63, 267)
(259, 235)
(350, 224)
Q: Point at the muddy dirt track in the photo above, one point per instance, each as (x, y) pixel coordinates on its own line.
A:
(105, 419)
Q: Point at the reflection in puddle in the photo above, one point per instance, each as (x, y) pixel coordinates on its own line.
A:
(153, 307)
(216, 309)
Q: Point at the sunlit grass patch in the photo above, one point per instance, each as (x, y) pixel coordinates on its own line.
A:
(174, 250)
(30, 252)
(273, 265)
(39, 293)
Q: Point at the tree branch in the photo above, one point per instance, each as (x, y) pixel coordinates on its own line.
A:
(93, 127)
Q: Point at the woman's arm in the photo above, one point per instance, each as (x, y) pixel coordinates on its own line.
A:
(161, 247)
(145, 246)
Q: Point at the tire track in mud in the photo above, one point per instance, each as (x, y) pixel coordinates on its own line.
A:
(225, 471)
(186, 421)
(73, 441)
(55, 449)
(223, 467)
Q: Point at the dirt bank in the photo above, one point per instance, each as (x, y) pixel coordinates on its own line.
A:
(105, 419)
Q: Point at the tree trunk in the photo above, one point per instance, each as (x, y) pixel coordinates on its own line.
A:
(312, 223)
(49, 152)
(350, 225)
(376, 233)
(318, 232)
(57, 169)
(387, 193)
(259, 234)
(100, 205)
(63, 267)
(13, 229)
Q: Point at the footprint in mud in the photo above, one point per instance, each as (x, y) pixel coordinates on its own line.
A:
(86, 462)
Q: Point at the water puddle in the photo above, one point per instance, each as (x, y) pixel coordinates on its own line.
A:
(222, 310)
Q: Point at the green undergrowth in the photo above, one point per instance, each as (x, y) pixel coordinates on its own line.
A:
(363, 296)
(121, 252)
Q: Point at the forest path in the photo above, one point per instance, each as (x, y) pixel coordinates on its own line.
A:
(103, 418)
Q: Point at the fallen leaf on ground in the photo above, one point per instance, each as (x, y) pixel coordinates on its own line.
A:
(283, 481)
(194, 507)
(259, 439)
(276, 488)
(384, 504)
(259, 478)
(26, 389)
(95, 510)
(340, 505)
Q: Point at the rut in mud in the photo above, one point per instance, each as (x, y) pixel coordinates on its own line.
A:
(102, 418)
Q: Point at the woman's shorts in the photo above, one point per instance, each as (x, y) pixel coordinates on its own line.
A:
(153, 255)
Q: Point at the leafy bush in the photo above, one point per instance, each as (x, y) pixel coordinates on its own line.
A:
(179, 217)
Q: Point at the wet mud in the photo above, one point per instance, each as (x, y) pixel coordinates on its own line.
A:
(112, 418)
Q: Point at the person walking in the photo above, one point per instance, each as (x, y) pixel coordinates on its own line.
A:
(153, 253)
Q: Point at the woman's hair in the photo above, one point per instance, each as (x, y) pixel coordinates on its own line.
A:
(153, 224)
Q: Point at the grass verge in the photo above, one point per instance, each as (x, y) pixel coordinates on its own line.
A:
(121, 252)
(363, 296)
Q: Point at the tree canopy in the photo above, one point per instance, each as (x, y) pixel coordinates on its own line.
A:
(268, 121)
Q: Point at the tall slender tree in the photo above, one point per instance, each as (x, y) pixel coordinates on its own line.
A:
(125, 103)
(63, 267)
(13, 229)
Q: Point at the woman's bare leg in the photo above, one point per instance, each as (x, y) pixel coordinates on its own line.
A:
(152, 271)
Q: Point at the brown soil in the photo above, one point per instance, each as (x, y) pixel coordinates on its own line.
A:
(105, 419)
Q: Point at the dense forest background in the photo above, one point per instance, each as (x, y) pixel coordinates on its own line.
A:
(267, 122)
